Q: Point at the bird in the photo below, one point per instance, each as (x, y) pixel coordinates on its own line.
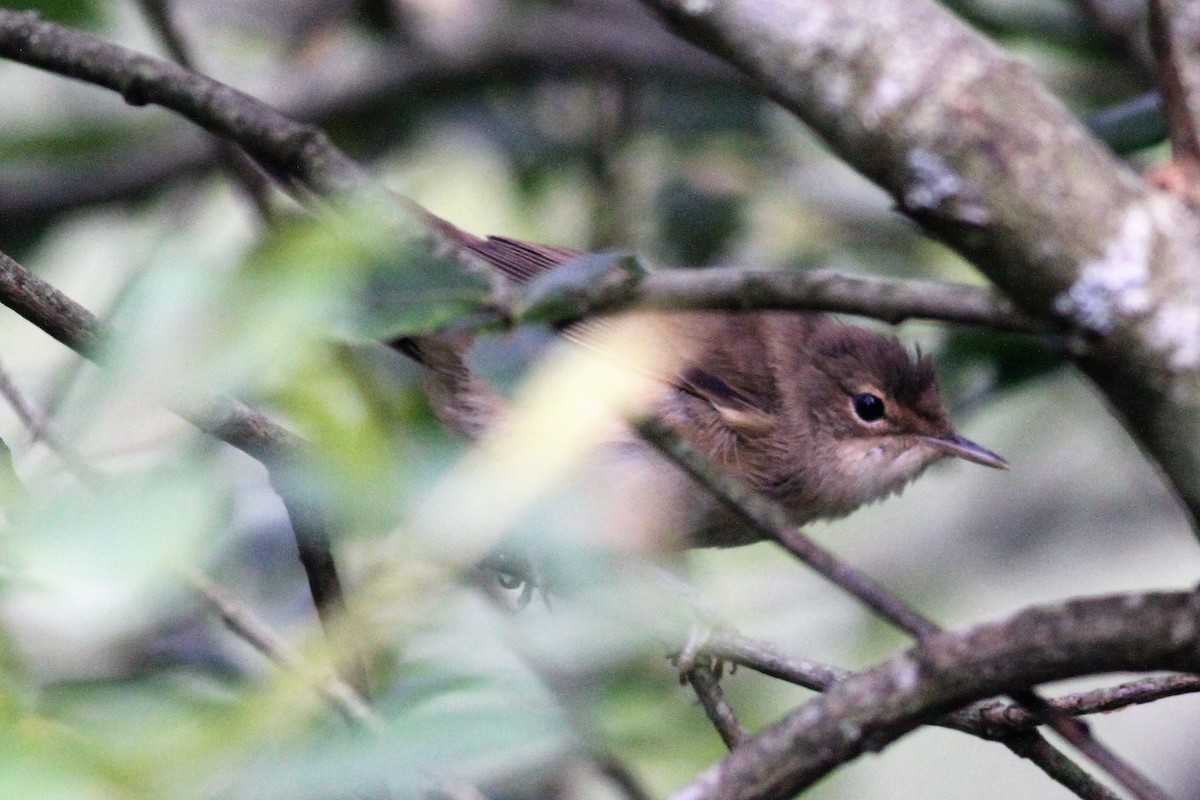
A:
(819, 415)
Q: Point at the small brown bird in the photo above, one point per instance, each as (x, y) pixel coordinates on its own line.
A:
(817, 414)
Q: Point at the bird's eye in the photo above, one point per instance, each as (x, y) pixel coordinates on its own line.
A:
(868, 407)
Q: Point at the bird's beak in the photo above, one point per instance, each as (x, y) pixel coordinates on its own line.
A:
(955, 445)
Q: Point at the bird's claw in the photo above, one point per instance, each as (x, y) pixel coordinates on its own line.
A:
(693, 654)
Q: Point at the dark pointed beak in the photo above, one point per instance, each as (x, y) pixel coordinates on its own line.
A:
(955, 445)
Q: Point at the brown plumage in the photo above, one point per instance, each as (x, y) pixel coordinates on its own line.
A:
(817, 414)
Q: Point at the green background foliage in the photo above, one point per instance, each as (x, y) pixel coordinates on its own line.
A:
(117, 682)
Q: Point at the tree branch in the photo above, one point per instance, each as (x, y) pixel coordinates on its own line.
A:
(738, 289)
(237, 164)
(304, 153)
(283, 146)
(1022, 741)
(552, 41)
(946, 670)
(772, 520)
(340, 695)
(1174, 28)
(987, 720)
(708, 689)
(984, 158)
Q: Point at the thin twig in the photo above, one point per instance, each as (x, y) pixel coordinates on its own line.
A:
(1096, 701)
(867, 711)
(707, 686)
(619, 774)
(241, 167)
(1174, 56)
(279, 143)
(242, 621)
(1173, 28)
(772, 520)
(88, 475)
(14, 498)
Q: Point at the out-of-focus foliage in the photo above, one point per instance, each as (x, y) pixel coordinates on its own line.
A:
(116, 681)
(82, 13)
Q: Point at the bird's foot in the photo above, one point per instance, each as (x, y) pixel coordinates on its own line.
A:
(695, 651)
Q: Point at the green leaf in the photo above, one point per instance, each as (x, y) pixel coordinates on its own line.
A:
(379, 280)
(698, 223)
(413, 292)
(77, 13)
(84, 560)
(1130, 126)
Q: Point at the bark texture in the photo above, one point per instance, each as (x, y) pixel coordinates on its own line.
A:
(974, 149)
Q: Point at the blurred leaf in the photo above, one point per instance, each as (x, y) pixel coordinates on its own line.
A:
(464, 739)
(78, 13)
(33, 769)
(413, 292)
(1130, 126)
(391, 282)
(355, 272)
(979, 364)
(85, 562)
(698, 224)
(559, 416)
(84, 146)
(146, 733)
(367, 465)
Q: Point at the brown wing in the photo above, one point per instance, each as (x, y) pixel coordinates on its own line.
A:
(520, 261)
(523, 261)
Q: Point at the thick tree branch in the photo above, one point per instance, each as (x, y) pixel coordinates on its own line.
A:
(1021, 740)
(947, 670)
(988, 720)
(978, 152)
